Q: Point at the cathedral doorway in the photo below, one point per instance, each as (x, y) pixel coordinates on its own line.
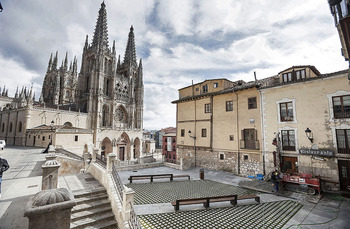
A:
(123, 145)
(121, 153)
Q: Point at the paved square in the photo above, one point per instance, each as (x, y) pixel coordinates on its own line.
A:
(267, 215)
(166, 192)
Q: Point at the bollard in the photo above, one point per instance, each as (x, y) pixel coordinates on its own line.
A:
(201, 174)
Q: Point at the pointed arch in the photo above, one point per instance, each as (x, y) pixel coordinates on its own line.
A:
(106, 147)
(123, 144)
(137, 147)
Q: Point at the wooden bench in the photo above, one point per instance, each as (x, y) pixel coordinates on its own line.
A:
(245, 197)
(204, 200)
(156, 176)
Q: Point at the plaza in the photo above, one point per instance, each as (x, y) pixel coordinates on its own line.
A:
(152, 200)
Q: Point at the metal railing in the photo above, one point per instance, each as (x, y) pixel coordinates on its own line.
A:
(101, 160)
(117, 181)
(133, 222)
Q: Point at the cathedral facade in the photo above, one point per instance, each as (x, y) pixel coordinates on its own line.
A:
(101, 106)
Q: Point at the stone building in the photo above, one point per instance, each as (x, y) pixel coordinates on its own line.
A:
(296, 121)
(306, 124)
(218, 126)
(101, 106)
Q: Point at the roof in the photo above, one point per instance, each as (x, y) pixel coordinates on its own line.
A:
(205, 81)
(56, 127)
(313, 68)
(248, 85)
(170, 134)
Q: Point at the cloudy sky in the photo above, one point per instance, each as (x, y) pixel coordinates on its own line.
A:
(178, 40)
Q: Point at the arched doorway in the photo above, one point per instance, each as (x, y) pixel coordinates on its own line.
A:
(137, 144)
(106, 147)
(123, 145)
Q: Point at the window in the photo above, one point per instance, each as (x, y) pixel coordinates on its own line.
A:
(288, 140)
(216, 85)
(174, 140)
(165, 148)
(197, 88)
(252, 103)
(174, 149)
(204, 133)
(286, 111)
(67, 94)
(300, 75)
(76, 138)
(229, 105)
(182, 132)
(49, 136)
(43, 138)
(165, 140)
(343, 141)
(249, 139)
(245, 157)
(222, 156)
(205, 88)
(231, 137)
(207, 108)
(341, 106)
(287, 77)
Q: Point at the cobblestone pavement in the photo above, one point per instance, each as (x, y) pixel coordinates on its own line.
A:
(267, 215)
(166, 192)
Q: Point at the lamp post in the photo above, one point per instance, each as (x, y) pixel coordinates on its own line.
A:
(51, 125)
(309, 134)
(195, 150)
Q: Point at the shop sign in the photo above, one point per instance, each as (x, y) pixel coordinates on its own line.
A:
(322, 153)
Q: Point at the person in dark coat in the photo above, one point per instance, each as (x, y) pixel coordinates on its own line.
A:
(3, 167)
(275, 178)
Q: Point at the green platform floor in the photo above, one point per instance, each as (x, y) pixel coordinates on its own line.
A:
(267, 215)
(166, 192)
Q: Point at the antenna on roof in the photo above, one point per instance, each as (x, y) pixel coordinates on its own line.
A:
(255, 76)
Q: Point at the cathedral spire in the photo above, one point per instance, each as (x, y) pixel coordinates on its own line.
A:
(113, 49)
(55, 61)
(140, 72)
(50, 64)
(130, 52)
(65, 67)
(86, 43)
(16, 94)
(75, 65)
(100, 39)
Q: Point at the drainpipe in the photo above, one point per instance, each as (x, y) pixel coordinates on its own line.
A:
(262, 132)
(238, 139)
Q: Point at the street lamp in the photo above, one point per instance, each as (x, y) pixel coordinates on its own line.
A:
(309, 134)
(195, 150)
(51, 125)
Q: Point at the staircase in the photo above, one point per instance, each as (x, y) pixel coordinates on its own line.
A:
(93, 210)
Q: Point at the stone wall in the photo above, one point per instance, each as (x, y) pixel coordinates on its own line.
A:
(69, 165)
(219, 160)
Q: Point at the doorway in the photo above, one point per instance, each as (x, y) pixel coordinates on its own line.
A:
(121, 153)
(289, 164)
(344, 172)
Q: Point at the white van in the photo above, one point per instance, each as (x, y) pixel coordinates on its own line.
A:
(2, 144)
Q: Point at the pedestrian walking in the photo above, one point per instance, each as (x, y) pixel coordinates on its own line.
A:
(275, 178)
(3, 167)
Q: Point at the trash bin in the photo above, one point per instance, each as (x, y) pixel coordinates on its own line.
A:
(201, 174)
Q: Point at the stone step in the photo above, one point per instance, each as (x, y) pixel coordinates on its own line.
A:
(90, 212)
(93, 220)
(104, 225)
(86, 193)
(90, 205)
(93, 198)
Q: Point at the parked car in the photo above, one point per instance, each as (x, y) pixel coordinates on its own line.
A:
(2, 144)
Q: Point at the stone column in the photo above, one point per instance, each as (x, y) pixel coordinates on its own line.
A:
(50, 170)
(110, 162)
(50, 209)
(94, 153)
(128, 201)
